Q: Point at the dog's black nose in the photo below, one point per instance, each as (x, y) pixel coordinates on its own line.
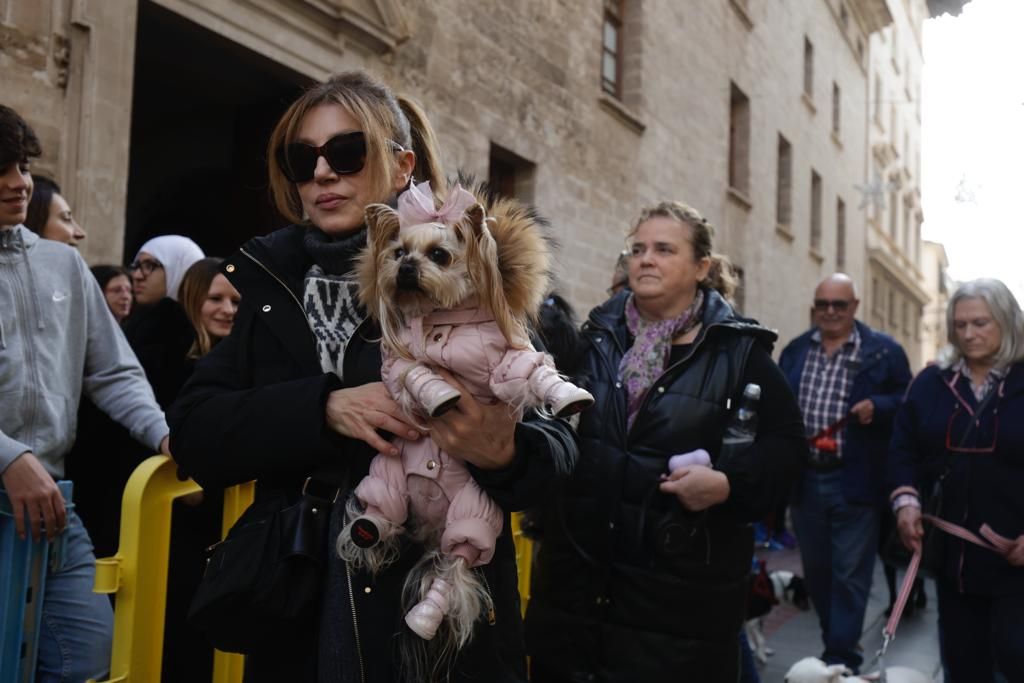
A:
(408, 276)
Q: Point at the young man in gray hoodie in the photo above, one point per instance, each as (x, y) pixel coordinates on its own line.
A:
(57, 337)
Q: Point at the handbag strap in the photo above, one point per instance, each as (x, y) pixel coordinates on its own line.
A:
(970, 429)
(326, 483)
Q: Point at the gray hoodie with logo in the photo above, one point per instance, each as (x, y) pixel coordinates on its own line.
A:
(57, 337)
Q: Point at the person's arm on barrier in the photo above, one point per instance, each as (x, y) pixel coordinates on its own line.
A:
(113, 378)
(35, 498)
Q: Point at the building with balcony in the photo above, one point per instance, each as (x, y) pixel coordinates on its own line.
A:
(771, 118)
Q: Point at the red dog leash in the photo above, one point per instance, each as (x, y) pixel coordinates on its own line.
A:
(824, 439)
(985, 538)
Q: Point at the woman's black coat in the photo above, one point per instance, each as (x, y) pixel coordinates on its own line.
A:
(254, 409)
(606, 605)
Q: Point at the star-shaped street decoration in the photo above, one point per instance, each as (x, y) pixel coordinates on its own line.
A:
(874, 192)
(964, 192)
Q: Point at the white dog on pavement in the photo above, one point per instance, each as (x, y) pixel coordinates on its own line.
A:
(813, 670)
(787, 588)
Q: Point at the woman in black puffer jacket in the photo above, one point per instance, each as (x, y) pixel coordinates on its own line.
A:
(641, 578)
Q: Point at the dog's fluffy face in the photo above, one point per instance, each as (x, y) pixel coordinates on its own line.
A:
(423, 268)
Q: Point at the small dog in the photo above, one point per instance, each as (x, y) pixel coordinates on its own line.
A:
(786, 588)
(813, 670)
(451, 288)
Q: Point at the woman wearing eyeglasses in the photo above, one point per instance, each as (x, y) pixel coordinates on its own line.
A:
(158, 329)
(295, 390)
(963, 423)
(643, 572)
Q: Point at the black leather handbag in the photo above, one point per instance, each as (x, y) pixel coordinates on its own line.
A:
(266, 577)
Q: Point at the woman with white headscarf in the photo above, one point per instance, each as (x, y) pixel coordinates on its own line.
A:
(158, 329)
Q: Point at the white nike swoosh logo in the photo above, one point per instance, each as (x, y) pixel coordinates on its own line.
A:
(59, 296)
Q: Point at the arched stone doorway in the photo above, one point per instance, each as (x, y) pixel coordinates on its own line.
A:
(203, 107)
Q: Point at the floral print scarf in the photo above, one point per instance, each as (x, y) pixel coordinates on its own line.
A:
(652, 345)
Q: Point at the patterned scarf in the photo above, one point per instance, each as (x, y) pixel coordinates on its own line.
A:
(645, 360)
(330, 295)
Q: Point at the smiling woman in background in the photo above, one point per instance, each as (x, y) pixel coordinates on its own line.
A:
(210, 303)
(49, 215)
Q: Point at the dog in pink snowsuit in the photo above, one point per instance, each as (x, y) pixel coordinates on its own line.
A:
(433, 280)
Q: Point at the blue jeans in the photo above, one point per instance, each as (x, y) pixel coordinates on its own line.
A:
(838, 541)
(77, 625)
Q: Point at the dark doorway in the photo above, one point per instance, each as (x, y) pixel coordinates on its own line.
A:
(203, 108)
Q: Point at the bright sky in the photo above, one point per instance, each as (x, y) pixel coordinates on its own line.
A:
(973, 140)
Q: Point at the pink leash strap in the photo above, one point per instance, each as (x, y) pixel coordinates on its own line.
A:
(986, 538)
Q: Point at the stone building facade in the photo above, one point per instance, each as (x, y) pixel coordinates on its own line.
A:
(940, 287)
(154, 116)
(896, 294)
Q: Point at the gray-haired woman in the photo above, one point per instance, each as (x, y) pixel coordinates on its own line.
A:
(963, 423)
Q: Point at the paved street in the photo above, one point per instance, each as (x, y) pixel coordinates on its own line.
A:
(794, 634)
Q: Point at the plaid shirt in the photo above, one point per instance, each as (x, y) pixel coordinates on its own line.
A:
(994, 376)
(825, 386)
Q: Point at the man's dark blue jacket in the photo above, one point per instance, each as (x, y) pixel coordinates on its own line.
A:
(883, 376)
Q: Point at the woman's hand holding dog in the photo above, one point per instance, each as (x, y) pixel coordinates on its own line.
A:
(908, 525)
(477, 433)
(697, 487)
(360, 411)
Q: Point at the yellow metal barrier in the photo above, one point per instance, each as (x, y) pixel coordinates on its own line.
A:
(137, 573)
(524, 559)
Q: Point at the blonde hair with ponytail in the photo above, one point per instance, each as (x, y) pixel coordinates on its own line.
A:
(383, 118)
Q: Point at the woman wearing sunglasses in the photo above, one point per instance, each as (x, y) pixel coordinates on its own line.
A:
(963, 423)
(295, 390)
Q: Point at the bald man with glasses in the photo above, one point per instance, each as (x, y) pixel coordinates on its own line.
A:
(849, 381)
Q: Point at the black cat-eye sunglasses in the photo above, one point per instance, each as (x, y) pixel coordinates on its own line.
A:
(345, 154)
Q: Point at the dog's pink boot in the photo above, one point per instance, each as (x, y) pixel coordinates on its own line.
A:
(563, 398)
(425, 618)
(431, 391)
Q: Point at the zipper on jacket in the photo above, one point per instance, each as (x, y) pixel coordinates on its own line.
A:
(355, 624)
(283, 285)
(28, 344)
(655, 383)
(299, 303)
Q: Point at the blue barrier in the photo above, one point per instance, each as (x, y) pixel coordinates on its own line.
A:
(23, 566)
